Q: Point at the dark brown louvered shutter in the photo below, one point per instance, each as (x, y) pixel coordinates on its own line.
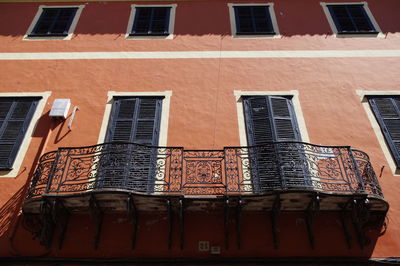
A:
(54, 22)
(270, 118)
(258, 120)
(135, 120)
(253, 20)
(15, 116)
(151, 21)
(351, 19)
(284, 120)
(131, 167)
(387, 112)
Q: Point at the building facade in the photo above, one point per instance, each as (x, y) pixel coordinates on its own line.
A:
(226, 131)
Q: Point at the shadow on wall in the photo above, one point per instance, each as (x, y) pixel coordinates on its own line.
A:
(9, 212)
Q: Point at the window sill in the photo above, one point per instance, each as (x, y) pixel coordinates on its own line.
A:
(359, 35)
(257, 36)
(148, 36)
(44, 37)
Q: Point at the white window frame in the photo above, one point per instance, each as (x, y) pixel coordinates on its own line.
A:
(271, 13)
(23, 148)
(367, 11)
(171, 25)
(71, 28)
(376, 127)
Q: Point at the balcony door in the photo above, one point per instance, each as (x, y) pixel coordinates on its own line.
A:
(276, 162)
(129, 161)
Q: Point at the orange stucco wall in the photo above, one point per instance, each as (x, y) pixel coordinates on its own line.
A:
(203, 114)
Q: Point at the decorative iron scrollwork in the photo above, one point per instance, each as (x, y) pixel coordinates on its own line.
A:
(272, 167)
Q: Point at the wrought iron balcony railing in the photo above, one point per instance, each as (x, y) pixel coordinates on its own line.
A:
(131, 178)
(258, 170)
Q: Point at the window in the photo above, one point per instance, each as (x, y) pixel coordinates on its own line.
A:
(133, 120)
(352, 18)
(151, 21)
(15, 116)
(275, 165)
(256, 19)
(270, 118)
(387, 112)
(54, 22)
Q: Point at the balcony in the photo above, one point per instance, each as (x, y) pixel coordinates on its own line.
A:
(282, 176)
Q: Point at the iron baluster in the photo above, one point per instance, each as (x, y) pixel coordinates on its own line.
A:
(51, 174)
(360, 185)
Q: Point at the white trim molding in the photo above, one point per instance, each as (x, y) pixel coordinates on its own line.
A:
(333, 25)
(232, 19)
(29, 132)
(71, 28)
(164, 113)
(296, 105)
(171, 24)
(375, 125)
(202, 54)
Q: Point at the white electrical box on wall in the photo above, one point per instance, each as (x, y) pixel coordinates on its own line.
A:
(60, 108)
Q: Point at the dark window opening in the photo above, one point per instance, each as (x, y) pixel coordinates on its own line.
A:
(15, 117)
(253, 20)
(128, 165)
(387, 112)
(54, 22)
(351, 19)
(277, 160)
(151, 21)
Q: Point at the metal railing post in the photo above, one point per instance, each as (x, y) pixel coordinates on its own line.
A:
(52, 170)
(357, 171)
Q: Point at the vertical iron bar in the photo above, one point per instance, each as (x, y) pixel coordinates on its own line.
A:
(226, 220)
(64, 225)
(52, 170)
(274, 220)
(133, 214)
(344, 219)
(358, 174)
(63, 171)
(182, 221)
(239, 222)
(182, 173)
(226, 176)
(170, 221)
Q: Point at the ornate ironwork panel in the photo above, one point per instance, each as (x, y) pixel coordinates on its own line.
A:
(203, 173)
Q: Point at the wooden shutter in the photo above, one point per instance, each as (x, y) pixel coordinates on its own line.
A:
(160, 20)
(54, 22)
(135, 120)
(387, 112)
(253, 20)
(270, 118)
(360, 18)
(351, 18)
(15, 116)
(151, 21)
(283, 119)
